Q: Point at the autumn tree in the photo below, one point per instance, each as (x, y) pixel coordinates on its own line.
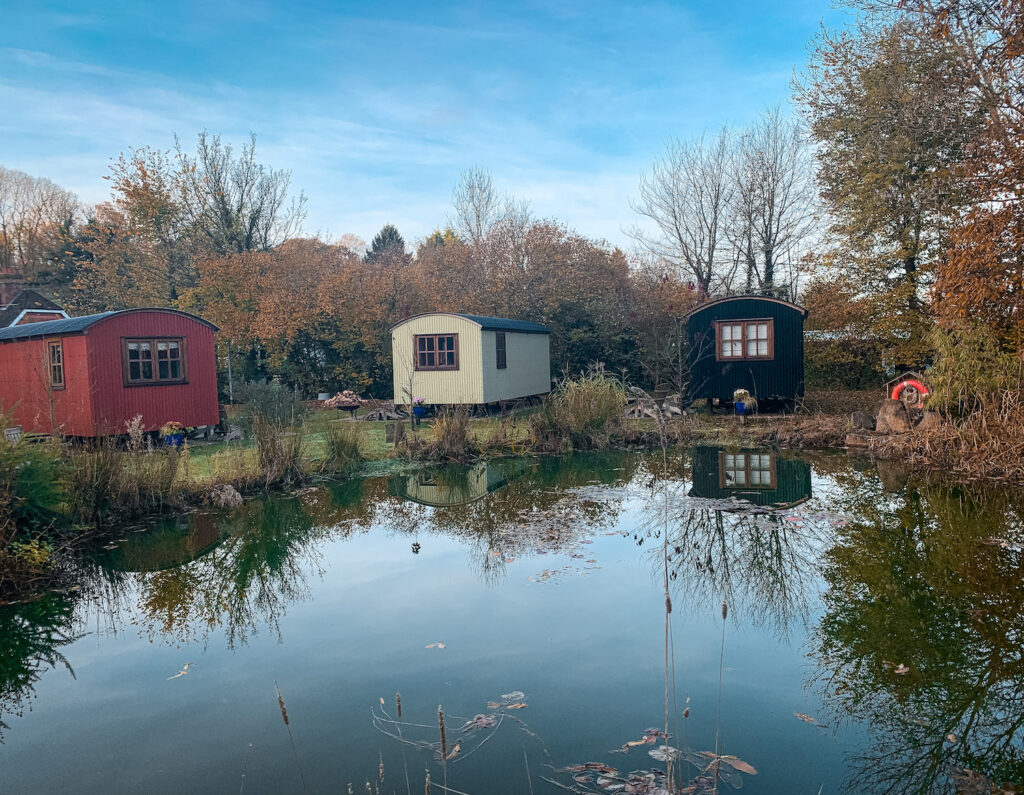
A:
(892, 120)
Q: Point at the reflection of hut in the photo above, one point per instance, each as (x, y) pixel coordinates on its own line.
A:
(168, 545)
(453, 484)
(760, 477)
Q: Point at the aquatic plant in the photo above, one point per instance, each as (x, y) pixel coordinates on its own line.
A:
(343, 449)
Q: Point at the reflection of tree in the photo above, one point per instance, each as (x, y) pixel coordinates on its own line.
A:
(248, 579)
(31, 636)
(755, 558)
(911, 583)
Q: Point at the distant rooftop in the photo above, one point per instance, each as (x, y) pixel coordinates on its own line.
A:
(490, 323)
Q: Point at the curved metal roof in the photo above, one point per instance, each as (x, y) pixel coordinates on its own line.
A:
(727, 298)
(78, 325)
(489, 323)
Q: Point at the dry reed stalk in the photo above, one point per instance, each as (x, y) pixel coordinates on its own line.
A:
(287, 725)
(444, 746)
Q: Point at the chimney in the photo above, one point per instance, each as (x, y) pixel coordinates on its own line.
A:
(10, 285)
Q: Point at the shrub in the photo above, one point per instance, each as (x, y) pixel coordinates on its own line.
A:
(972, 371)
(343, 454)
(31, 486)
(275, 403)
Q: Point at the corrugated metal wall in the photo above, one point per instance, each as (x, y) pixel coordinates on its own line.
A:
(438, 387)
(114, 404)
(25, 390)
(528, 370)
(780, 378)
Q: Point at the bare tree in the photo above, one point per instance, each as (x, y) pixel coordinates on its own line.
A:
(773, 194)
(477, 204)
(33, 213)
(687, 195)
(236, 204)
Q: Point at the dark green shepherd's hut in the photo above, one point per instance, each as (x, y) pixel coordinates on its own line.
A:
(750, 342)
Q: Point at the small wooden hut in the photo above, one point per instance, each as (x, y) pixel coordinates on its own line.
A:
(448, 359)
(751, 342)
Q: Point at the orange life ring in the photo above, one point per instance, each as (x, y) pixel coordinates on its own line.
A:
(898, 389)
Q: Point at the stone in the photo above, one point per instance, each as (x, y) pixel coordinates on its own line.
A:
(892, 418)
(862, 421)
(225, 496)
(930, 421)
(858, 440)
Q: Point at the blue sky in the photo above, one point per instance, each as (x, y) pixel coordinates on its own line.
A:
(375, 108)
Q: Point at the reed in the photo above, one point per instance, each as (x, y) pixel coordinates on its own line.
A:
(278, 452)
(451, 436)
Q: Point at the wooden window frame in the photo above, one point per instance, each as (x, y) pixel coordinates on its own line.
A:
(52, 366)
(156, 380)
(748, 486)
(435, 367)
(744, 322)
(500, 350)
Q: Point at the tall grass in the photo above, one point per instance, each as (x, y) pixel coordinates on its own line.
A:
(451, 436)
(278, 451)
(582, 412)
(343, 454)
(105, 481)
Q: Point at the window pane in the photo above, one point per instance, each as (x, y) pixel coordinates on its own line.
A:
(762, 347)
(133, 350)
(163, 370)
(175, 368)
(174, 350)
(422, 343)
(741, 477)
(430, 359)
(134, 371)
(752, 347)
(147, 371)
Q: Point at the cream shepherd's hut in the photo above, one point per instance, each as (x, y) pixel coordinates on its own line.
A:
(448, 358)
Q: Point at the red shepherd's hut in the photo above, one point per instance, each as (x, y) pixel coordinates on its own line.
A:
(90, 376)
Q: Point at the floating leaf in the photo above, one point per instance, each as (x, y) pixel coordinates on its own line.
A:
(664, 753)
(901, 669)
(739, 764)
(454, 752)
(437, 645)
(515, 695)
(520, 705)
(951, 737)
(804, 717)
(493, 705)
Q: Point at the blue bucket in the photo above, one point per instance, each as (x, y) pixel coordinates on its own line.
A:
(741, 407)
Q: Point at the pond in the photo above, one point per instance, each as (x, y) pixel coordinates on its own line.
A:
(872, 639)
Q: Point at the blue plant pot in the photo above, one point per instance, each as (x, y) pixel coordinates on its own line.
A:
(419, 411)
(174, 440)
(741, 407)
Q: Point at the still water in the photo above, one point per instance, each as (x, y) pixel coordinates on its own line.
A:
(872, 640)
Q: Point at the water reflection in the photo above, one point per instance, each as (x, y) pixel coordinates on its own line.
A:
(922, 638)
(733, 536)
(450, 485)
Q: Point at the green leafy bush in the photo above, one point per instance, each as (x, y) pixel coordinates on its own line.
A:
(343, 453)
(273, 402)
(31, 485)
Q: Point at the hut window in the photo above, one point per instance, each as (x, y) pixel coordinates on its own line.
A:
(746, 470)
(436, 352)
(499, 349)
(746, 339)
(155, 361)
(55, 353)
